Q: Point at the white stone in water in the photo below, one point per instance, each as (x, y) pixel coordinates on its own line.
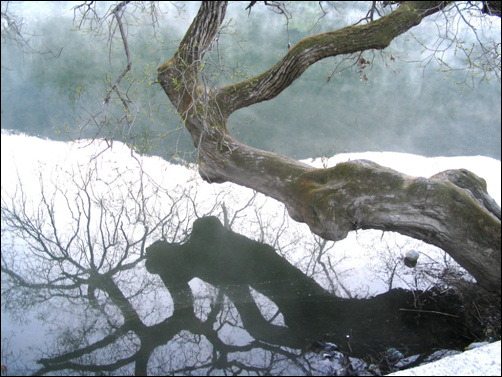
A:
(411, 257)
(412, 254)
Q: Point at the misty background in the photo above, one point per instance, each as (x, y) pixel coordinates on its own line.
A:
(404, 101)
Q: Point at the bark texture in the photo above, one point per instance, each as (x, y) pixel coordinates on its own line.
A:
(451, 210)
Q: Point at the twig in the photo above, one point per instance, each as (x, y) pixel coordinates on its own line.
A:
(428, 311)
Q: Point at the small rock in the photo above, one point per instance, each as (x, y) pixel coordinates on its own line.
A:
(411, 258)
(401, 364)
(393, 355)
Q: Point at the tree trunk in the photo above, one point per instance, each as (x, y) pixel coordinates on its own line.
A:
(451, 210)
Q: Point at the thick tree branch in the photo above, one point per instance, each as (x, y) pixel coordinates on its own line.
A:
(450, 210)
(179, 76)
(375, 35)
(200, 36)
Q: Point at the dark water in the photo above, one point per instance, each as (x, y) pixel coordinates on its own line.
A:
(239, 308)
(267, 317)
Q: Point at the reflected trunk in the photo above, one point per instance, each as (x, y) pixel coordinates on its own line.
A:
(237, 330)
(234, 264)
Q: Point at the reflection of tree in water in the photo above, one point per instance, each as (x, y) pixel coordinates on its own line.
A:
(233, 333)
(232, 263)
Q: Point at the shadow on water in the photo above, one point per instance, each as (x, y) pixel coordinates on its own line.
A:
(241, 332)
(414, 322)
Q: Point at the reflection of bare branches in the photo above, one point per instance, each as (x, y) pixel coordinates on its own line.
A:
(80, 248)
(204, 343)
(322, 250)
(79, 242)
(229, 222)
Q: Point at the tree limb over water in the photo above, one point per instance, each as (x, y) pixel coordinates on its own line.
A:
(451, 210)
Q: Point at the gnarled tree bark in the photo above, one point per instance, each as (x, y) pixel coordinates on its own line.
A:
(451, 210)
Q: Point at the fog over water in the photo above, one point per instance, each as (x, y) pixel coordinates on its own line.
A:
(393, 105)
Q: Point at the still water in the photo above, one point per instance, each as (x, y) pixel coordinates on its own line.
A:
(238, 308)
(122, 301)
